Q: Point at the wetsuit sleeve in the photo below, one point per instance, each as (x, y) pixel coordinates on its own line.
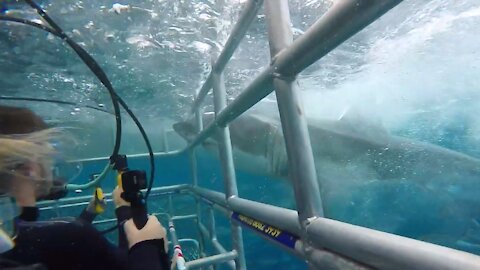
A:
(87, 216)
(65, 245)
(29, 214)
(123, 213)
(148, 255)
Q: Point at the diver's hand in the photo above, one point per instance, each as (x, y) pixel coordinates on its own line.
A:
(151, 231)
(97, 203)
(117, 198)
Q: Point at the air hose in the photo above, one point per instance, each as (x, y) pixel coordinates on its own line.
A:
(100, 74)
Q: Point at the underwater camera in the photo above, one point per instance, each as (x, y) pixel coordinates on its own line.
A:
(132, 182)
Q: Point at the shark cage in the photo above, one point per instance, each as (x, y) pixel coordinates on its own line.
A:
(323, 243)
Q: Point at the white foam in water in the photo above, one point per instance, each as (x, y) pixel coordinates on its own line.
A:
(421, 70)
(119, 8)
(418, 77)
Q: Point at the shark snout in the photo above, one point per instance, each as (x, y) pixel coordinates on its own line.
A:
(185, 129)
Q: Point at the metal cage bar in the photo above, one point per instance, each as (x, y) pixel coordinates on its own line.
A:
(246, 18)
(211, 234)
(337, 245)
(226, 157)
(176, 244)
(214, 259)
(295, 131)
(350, 244)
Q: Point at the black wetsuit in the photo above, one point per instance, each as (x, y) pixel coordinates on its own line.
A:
(76, 245)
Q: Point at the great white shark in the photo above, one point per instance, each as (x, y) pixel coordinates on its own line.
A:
(349, 151)
(347, 143)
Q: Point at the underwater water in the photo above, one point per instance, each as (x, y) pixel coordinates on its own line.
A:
(413, 73)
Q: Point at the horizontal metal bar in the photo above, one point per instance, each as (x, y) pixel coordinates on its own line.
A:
(110, 220)
(155, 154)
(215, 259)
(238, 32)
(284, 219)
(155, 192)
(217, 198)
(189, 240)
(374, 248)
(56, 102)
(321, 259)
(60, 206)
(370, 247)
(259, 88)
(103, 221)
(343, 20)
(203, 135)
(210, 195)
(227, 213)
(274, 241)
(175, 218)
(386, 251)
(326, 260)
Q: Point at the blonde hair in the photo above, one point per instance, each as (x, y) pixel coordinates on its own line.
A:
(17, 149)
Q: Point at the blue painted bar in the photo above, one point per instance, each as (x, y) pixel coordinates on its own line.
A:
(283, 237)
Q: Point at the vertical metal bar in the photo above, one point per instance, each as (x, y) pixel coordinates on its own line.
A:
(176, 245)
(194, 169)
(163, 139)
(212, 231)
(198, 120)
(295, 130)
(173, 232)
(225, 146)
(198, 209)
(226, 157)
(170, 205)
(192, 156)
(299, 151)
(193, 166)
(211, 224)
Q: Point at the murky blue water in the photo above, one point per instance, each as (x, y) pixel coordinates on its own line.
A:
(413, 73)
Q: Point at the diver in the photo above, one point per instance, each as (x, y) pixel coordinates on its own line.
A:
(26, 157)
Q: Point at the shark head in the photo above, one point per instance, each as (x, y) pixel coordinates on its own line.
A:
(186, 129)
(257, 143)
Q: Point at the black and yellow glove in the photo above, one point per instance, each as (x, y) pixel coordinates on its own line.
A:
(97, 203)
